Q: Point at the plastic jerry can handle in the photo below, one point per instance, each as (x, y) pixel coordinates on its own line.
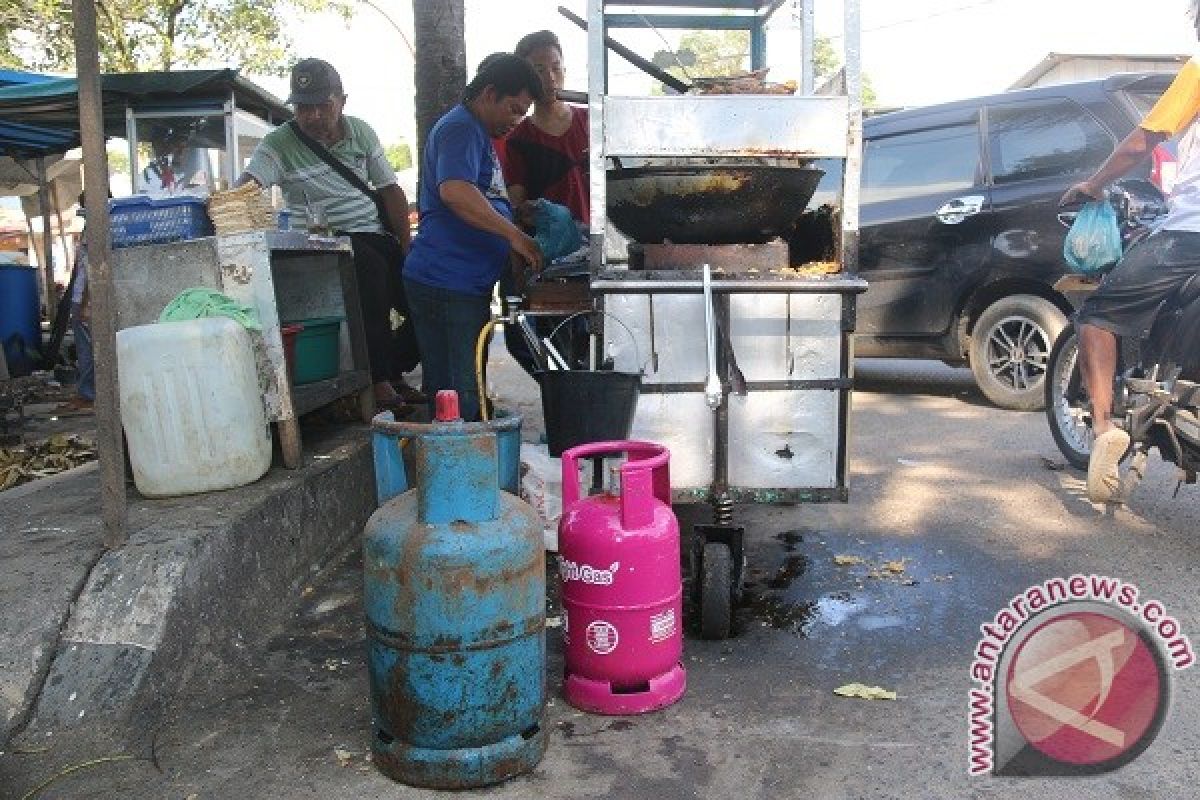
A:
(647, 472)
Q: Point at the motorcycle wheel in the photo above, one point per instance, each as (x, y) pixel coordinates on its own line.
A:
(1067, 408)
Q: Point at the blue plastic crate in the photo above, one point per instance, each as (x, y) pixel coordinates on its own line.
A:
(142, 220)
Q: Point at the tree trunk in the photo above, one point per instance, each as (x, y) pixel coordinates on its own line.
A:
(441, 62)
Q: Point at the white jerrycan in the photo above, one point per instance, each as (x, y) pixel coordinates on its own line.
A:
(191, 406)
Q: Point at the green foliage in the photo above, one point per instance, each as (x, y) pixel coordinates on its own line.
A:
(869, 98)
(710, 54)
(399, 156)
(118, 161)
(157, 34)
(707, 54)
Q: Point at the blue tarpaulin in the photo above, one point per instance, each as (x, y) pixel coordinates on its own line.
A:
(22, 140)
(39, 115)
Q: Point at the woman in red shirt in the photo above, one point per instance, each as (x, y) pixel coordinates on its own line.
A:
(547, 153)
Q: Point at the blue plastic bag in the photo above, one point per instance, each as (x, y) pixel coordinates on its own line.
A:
(556, 232)
(1094, 241)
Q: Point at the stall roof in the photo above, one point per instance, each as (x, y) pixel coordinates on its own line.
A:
(31, 140)
(52, 105)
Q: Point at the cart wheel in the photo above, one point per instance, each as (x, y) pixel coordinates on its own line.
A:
(716, 595)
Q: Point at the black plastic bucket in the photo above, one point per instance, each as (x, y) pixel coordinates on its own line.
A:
(582, 407)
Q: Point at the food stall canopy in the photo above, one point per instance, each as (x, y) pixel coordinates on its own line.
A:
(54, 104)
(30, 141)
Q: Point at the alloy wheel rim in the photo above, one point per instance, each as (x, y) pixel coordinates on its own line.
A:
(1018, 353)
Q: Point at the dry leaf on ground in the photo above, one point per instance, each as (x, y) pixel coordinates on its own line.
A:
(864, 692)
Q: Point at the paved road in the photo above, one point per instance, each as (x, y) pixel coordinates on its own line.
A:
(972, 500)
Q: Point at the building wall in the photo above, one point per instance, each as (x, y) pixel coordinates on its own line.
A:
(1083, 69)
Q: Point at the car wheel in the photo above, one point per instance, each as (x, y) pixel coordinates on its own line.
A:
(1010, 350)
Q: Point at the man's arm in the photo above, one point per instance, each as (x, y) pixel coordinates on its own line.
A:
(469, 204)
(1135, 149)
(395, 204)
(1172, 113)
(517, 194)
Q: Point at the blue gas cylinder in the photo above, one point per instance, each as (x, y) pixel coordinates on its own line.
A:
(455, 597)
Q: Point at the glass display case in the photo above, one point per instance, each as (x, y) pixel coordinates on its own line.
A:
(199, 149)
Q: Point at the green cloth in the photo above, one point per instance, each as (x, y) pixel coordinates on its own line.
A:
(199, 303)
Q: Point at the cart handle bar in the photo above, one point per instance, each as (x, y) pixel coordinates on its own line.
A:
(647, 472)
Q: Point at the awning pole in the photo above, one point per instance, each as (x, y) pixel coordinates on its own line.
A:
(68, 253)
(47, 242)
(104, 322)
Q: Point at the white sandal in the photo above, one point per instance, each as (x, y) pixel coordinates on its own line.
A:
(1104, 476)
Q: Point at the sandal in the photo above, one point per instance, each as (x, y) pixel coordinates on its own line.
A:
(410, 394)
(1104, 476)
(400, 409)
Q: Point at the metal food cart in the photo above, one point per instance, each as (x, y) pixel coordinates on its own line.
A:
(746, 358)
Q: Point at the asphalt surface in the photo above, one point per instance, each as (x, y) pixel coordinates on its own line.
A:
(973, 502)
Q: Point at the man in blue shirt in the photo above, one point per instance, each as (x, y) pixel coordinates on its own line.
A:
(466, 234)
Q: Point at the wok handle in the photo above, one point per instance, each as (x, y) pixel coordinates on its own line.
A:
(648, 67)
(712, 387)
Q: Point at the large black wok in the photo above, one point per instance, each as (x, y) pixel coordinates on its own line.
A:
(709, 204)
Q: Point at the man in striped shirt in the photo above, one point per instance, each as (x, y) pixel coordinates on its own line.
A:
(310, 184)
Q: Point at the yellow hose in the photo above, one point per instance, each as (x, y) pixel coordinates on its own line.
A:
(480, 342)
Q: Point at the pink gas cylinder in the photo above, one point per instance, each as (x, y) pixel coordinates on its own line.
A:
(622, 590)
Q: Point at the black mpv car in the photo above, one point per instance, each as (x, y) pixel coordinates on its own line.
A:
(961, 241)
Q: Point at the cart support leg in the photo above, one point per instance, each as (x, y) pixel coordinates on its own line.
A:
(366, 404)
(289, 442)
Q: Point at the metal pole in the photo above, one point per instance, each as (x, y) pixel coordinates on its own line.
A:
(62, 229)
(808, 36)
(233, 168)
(597, 90)
(47, 242)
(104, 322)
(851, 176)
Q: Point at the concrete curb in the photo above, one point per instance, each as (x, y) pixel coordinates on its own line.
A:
(210, 572)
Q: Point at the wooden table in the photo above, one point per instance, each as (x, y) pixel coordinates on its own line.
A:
(285, 276)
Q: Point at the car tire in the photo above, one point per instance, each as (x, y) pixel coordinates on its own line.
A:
(1010, 350)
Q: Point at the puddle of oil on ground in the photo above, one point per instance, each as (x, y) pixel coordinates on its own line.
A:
(785, 602)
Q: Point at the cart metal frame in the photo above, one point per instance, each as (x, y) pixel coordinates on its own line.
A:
(802, 399)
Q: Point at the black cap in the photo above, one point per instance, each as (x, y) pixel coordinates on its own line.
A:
(313, 82)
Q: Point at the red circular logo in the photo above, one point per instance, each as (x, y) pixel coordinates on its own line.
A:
(1085, 688)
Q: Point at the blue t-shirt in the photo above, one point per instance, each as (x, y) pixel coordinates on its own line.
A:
(447, 252)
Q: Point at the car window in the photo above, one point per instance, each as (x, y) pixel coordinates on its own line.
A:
(1044, 138)
(1143, 100)
(920, 163)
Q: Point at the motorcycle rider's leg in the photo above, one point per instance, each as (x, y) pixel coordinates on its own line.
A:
(1098, 368)
(1098, 365)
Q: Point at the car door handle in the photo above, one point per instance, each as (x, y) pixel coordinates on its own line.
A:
(959, 209)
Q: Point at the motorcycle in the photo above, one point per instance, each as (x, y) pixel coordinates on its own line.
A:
(1156, 396)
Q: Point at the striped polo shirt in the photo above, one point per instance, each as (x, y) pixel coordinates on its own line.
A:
(281, 159)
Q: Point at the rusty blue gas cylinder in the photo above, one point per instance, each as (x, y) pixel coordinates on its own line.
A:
(455, 597)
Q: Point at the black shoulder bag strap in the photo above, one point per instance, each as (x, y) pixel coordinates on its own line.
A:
(338, 166)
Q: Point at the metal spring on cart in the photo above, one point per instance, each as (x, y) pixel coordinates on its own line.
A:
(723, 509)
